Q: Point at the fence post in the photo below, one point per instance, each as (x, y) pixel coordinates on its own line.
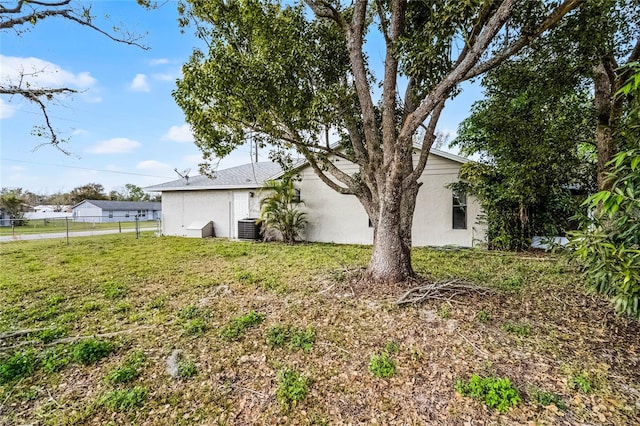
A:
(66, 222)
(120, 227)
(137, 228)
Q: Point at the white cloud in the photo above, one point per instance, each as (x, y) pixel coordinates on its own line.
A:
(155, 167)
(40, 73)
(114, 146)
(181, 134)
(159, 61)
(6, 110)
(78, 132)
(140, 83)
(164, 77)
(151, 164)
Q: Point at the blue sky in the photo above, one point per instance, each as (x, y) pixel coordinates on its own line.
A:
(123, 125)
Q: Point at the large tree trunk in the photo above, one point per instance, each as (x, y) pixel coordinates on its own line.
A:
(606, 111)
(391, 258)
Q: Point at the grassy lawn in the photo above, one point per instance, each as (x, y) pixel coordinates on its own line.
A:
(42, 226)
(190, 331)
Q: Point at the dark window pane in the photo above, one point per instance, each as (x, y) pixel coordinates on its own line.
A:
(459, 210)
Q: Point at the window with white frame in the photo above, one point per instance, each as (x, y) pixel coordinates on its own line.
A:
(459, 220)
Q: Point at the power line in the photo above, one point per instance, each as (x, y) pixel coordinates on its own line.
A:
(85, 168)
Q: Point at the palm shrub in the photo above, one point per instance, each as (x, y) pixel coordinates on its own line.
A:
(279, 213)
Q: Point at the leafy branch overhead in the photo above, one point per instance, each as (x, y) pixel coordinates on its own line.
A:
(24, 15)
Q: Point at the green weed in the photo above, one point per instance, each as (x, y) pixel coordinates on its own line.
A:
(237, 327)
(382, 366)
(114, 290)
(295, 338)
(158, 303)
(129, 371)
(519, 329)
(483, 316)
(581, 382)
(50, 334)
(55, 359)
(391, 348)
(444, 311)
(190, 312)
(277, 336)
(187, 369)
(302, 339)
(544, 398)
(493, 391)
(292, 388)
(195, 327)
(17, 366)
(124, 400)
(514, 282)
(91, 351)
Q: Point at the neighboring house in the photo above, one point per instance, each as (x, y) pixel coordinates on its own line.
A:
(5, 220)
(440, 218)
(116, 211)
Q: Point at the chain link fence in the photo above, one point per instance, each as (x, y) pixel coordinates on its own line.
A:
(68, 227)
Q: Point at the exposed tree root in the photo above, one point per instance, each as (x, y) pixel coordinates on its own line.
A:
(70, 339)
(447, 291)
(18, 333)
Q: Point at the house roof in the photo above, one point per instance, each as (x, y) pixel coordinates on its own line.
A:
(252, 175)
(123, 205)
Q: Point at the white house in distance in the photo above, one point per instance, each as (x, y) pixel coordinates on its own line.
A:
(116, 211)
(441, 217)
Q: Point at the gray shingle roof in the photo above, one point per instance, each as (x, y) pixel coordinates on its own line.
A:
(124, 205)
(251, 175)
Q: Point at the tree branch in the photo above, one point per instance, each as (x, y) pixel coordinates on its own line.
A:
(553, 18)
(427, 143)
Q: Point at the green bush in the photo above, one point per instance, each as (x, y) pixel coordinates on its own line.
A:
(236, 328)
(382, 366)
(17, 366)
(495, 392)
(292, 388)
(124, 400)
(607, 249)
(91, 351)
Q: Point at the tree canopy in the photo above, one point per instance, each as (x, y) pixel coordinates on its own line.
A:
(288, 73)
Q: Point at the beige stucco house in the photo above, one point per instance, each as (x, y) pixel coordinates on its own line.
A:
(441, 217)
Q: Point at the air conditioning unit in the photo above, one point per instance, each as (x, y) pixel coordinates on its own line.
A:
(248, 229)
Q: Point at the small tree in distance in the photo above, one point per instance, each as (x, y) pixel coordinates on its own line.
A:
(279, 213)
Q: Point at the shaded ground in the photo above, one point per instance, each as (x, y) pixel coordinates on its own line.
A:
(571, 338)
